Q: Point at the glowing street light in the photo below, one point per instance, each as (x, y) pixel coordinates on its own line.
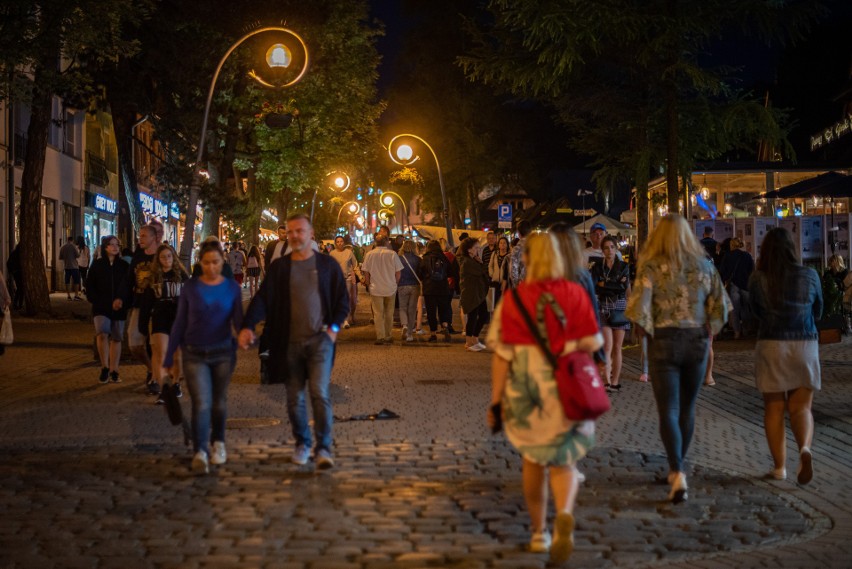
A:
(405, 156)
(351, 208)
(277, 56)
(388, 201)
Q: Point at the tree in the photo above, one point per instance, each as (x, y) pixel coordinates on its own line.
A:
(591, 56)
(49, 48)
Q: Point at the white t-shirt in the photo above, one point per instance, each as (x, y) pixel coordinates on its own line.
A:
(382, 264)
(236, 259)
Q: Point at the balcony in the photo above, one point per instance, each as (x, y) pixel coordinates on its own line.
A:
(96, 170)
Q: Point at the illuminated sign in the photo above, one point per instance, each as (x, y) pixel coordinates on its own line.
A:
(103, 203)
(153, 206)
(832, 133)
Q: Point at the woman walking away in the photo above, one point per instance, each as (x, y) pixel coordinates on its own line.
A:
(408, 289)
(209, 310)
(678, 302)
(786, 299)
(473, 281)
(434, 270)
(158, 310)
(612, 286)
(524, 387)
(254, 268)
(102, 286)
(498, 269)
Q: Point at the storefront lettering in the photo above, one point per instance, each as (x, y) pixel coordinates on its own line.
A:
(103, 203)
(153, 206)
(832, 133)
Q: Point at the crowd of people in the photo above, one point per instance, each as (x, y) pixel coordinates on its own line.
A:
(189, 323)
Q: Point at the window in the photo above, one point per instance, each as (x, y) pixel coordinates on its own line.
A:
(55, 134)
(70, 125)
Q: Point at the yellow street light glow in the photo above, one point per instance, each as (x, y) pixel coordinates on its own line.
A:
(404, 152)
(353, 208)
(339, 182)
(387, 200)
(279, 56)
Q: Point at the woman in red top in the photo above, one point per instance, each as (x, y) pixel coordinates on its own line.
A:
(523, 383)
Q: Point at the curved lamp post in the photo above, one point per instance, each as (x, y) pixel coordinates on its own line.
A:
(351, 207)
(337, 182)
(278, 55)
(405, 156)
(387, 201)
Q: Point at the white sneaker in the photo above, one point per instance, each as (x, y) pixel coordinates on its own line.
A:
(481, 346)
(301, 455)
(579, 476)
(678, 491)
(475, 347)
(540, 542)
(346, 323)
(199, 463)
(409, 338)
(404, 332)
(420, 331)
(219, 455)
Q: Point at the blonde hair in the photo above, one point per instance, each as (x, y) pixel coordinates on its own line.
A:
(837, 261)
(408, 246)
(736, 243)
(570, 247)
(673, 242)
(544, 261)
(444, 245)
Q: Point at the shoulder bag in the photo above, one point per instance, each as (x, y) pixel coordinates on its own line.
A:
(580, 388)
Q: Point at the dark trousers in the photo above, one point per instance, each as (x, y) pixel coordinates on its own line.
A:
(438, 310)
(476, 319)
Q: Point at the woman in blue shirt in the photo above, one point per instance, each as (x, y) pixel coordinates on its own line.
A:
(786, 299)
(209, 310)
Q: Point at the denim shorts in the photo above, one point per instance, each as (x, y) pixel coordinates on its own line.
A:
(115, 328)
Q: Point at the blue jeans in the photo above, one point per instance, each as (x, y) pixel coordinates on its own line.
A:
(208, 372)
(309, 365)
(677, 358)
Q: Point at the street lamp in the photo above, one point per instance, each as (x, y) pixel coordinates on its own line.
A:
(405, 156)
(350, 207)
(388, 201)
(277, 56)
(337, 182)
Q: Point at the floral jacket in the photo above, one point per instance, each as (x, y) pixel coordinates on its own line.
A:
(689, 299)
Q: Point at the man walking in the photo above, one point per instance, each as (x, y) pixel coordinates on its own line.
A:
(275, 249)
(382, 269)
(130, 294)
(304, 301)
(69, 255)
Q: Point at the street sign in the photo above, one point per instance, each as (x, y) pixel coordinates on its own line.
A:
(504, 216)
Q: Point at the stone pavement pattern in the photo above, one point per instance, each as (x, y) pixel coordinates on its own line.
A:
(93, 476)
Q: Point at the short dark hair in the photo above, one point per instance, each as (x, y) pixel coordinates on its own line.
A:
(284, 227)
(466, 245)
(463, 235)
(524, 228)
(708, 230)
(609, 239)
(381, 240)
(208, 246)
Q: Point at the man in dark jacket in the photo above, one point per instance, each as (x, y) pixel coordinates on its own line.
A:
(304, 301)
(275, 249)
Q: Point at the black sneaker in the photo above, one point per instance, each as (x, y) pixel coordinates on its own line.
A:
(104, 377)
(160, 400)
(178, 391)
(148, 377)
(153, 387)
(113, 375)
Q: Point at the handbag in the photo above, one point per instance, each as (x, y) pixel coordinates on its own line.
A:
(580, 388)
(6, 335)
(172, 403)
(617, 318)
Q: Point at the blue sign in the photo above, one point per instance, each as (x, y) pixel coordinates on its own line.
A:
(504, 215)
(103, 203)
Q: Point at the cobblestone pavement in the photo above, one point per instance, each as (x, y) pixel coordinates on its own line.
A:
(93, 476)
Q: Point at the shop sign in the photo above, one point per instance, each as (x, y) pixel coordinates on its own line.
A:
(832, 133)
(153, 206)
(103, 203)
